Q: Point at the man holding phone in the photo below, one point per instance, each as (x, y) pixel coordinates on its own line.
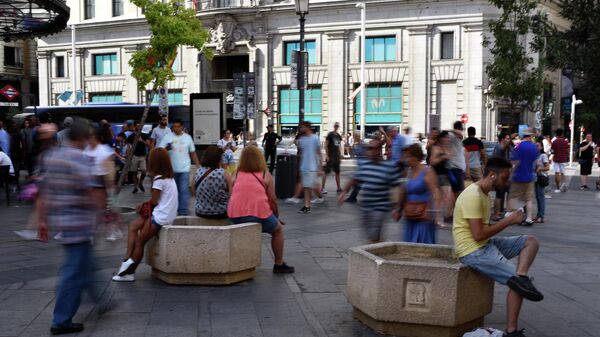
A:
(478, 247)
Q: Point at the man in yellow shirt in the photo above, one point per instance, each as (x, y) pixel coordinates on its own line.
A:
(476, 246)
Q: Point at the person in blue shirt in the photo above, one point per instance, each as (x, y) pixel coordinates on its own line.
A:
(523, 158)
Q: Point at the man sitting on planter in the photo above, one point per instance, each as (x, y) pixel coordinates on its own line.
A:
(477, 246)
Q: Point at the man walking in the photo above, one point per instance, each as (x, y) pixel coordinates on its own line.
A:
(159, 132)
(138, 162)
(560, 149)
(67, 206)
(456, 164)
(475, 155)
(586, 160)
(478, 247)
(269, 143)
(501, 150)
(61, 136)
(310, 162)
(523, 159)
(4, 139)
(182, 152)
(333, 158)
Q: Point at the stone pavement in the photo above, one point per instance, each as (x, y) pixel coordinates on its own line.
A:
(310, 302)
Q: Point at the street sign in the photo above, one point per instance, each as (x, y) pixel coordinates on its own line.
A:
(299, 70)
(9, 92)
(9, 103)
(163, 101)
(243, 96)
(464, 118)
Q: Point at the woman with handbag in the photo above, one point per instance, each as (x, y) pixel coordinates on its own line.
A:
(211, 186)
(253, 200)
(542, 166)
(418, 198)
(159, 211)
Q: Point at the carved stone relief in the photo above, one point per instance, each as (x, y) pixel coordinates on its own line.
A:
(226, 32)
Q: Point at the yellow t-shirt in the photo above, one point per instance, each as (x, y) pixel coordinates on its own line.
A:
(471, 204)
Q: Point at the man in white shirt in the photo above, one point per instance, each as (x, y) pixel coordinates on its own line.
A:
(160, 131)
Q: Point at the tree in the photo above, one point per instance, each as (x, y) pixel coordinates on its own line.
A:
(577, 49)
(513, 73)
(171, 26)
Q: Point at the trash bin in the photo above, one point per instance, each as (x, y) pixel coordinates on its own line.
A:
(286, 175)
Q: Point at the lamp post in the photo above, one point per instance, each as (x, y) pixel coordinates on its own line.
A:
(363, 84)
(301, 10)
(574, 102)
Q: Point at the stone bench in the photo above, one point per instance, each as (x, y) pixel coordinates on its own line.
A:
(202, 251)
(416, 290)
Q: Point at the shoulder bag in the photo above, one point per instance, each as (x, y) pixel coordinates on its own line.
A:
(272, 203)
(202, 178)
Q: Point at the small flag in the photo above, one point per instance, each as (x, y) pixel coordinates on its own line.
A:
(65, 96)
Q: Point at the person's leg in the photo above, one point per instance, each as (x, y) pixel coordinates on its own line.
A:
(307, 197)
(541, 201)
(584, 180)
(71, 284)
(181, 180)
(273, 159)
(134, 227)
(529, 209)
(557, 175)
(527, 255)
(513, 309)
(146, 233)
(277, 242)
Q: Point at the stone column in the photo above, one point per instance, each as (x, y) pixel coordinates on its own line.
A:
(336, 69)
(131, 90)
(44, 71)
(474, 104)
(261, 70)
(418, 77)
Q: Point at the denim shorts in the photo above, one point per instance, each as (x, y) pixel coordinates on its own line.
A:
(268, 224)
(159, 226)
(493, 259)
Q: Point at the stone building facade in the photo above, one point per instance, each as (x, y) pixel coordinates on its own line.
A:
(18, 69)
(425, 61)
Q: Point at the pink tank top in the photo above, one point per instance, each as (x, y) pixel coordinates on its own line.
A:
(248, 197)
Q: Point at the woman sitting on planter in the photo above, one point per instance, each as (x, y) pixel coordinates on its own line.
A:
(253, 200)
(212, 185)
(160, 211)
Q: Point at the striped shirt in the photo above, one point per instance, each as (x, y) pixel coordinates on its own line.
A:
(375, 179)
(65, 185)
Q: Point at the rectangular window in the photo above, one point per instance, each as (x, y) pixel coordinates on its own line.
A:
(309, 46)
(106, 97)
(289, 105)
(60, 66)
(90, 9)
(117, 7)
(380, 49)
(384, 104)
(105, 64)
(175, 97)
(13, 56)
(447, 45)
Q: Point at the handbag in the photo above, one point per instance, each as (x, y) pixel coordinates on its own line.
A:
(416, 211)
(543, 180)
(145, 210)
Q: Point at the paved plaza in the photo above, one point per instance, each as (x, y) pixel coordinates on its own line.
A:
(310, 302)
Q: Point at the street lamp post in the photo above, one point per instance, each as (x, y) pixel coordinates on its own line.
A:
(574, 102)
(363, 84)
(301, 10)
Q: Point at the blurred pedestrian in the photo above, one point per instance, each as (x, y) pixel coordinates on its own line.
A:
(521, 191)
(358, 151)
(375, 177)
(560, 151)
(333, 143)
(542, 166)
(438, 156)
(476, 156)
(159, 132)
(586, 160)
(62, 135)
(310, 165)
(253, 179)
(418, 200)
(67, 205)
(28, 133)
(269, 143)
(4, 139)
(159, 211)
(501, 150)
(211, 186)
(456, 165)
(182, 152)
(228, 144)
(138, 162)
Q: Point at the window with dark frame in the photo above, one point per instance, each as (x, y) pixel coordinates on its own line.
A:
(60, 66)
(117, 7)
(11, 57)
(447, 46)
(90, 11)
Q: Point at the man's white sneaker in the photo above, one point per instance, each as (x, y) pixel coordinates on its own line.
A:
(125, 265)
(557, 191)
(124, 278)
(293, 200)
(323, 191)
(27, 234)
(317, 201)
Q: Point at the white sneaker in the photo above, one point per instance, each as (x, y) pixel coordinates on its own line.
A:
(323, 191)
(548, 196)
(563, 187)
(27, 234)
(58, 236)
(114, 235)
(317, 201)
(557, 191)
(293, 200)
(124, 278)
(125, 265)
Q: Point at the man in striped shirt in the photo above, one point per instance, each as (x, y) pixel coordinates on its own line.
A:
(375, 177)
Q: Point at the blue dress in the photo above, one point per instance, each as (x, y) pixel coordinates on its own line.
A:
(419, 231)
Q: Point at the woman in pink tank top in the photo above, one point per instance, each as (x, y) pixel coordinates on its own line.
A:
(253, 200)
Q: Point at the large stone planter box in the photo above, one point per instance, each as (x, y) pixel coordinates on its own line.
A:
(207, 252)
(416, 290)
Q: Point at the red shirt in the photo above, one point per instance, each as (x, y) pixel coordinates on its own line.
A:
(560, 148)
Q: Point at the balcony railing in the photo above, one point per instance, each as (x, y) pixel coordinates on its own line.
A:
(203, 5)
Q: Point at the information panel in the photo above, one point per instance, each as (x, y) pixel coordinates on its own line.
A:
(207, 118)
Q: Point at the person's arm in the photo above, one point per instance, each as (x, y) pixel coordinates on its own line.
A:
(432, 184)
(271, 193)
(481, 232)
(155, 196)
(193, 155)
(278, 139)
(437, 156)
(345, 190)
(326, 149)
(483, 155)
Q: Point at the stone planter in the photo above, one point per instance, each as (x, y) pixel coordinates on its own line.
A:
(416, 290)
(207, 252)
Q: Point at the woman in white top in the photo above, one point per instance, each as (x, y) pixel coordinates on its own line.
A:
(163, 205)
(227, 143)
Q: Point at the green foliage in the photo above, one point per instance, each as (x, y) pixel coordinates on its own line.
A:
(512, 71)
(578, 48)
(171, 26)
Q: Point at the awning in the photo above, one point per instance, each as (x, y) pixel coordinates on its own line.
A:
(27, 19)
